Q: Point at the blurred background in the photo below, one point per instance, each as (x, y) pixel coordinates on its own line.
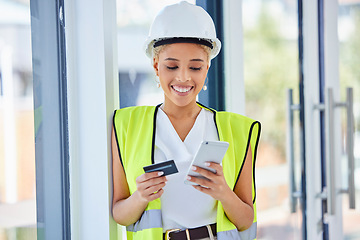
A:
(271, 65)
(17, 142)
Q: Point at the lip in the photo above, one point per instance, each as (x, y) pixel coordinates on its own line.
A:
(182, 87)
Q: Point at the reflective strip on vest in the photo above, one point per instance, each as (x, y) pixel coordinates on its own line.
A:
(149, 219)
(234, 234)
(152, 219)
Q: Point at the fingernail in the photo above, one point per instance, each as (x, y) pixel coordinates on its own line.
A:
(193, 168)
(160, 173)
(207, 164)
(188, 178)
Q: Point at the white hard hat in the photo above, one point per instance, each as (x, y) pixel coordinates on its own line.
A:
(183, 22)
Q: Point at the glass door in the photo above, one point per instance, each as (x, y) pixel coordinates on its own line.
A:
(329, 109)
(349, 62)
(271, 66)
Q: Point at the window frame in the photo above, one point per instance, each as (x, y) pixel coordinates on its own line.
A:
(216, 75)
(50, 113)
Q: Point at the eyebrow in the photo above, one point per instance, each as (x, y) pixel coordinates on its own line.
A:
(192, 60)
(171, 59)
(197, 60)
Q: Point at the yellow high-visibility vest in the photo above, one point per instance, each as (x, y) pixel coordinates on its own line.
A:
(135, 135)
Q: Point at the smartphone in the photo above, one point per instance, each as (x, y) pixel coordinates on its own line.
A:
(209, 151)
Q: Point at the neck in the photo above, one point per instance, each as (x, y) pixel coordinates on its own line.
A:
(174, 111)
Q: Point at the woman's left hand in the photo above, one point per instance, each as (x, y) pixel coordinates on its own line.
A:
(215, 184)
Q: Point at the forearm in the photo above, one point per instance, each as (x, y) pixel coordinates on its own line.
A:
(128, 211)
(239, 213)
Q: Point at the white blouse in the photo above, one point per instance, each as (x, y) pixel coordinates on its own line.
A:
(182, 205)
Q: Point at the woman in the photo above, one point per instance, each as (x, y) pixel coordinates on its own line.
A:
(182, 41)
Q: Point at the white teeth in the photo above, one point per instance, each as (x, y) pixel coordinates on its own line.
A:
(181, 89)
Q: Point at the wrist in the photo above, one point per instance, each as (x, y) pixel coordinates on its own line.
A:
(227, 196)
(139, 199)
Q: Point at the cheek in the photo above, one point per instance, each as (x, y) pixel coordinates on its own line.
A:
(202, 75)
(162, 69)
(165, 74)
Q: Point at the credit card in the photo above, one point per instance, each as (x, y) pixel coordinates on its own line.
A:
(168, 167)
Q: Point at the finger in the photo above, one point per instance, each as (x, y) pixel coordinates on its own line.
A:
(146, 192)
(150, 182)
(201, 181)
(216, 166)
(154, 188)
(156, 195)
(202, 189)
(146, 176)
(206, 173)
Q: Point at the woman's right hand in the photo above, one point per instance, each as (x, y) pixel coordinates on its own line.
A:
(150, 185)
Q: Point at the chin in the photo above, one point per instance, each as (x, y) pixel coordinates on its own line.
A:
(184, 103)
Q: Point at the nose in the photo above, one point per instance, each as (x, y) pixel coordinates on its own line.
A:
(183, 76)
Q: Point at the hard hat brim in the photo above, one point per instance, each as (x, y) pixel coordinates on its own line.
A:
(149, 45)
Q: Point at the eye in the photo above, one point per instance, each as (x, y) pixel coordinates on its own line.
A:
(172, 68)
(195, 69)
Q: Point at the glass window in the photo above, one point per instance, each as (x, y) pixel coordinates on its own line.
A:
(17, 148)
(271, 66)
(137, 79)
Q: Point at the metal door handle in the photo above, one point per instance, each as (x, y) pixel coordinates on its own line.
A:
(350, 147)
(293, 193)
(328, 107)
(330, 176)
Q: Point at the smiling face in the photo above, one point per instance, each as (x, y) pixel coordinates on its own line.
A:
(182, 69)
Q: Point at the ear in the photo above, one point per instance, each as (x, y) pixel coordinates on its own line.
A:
(207, 68)
(156, 66)
(209, 64)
